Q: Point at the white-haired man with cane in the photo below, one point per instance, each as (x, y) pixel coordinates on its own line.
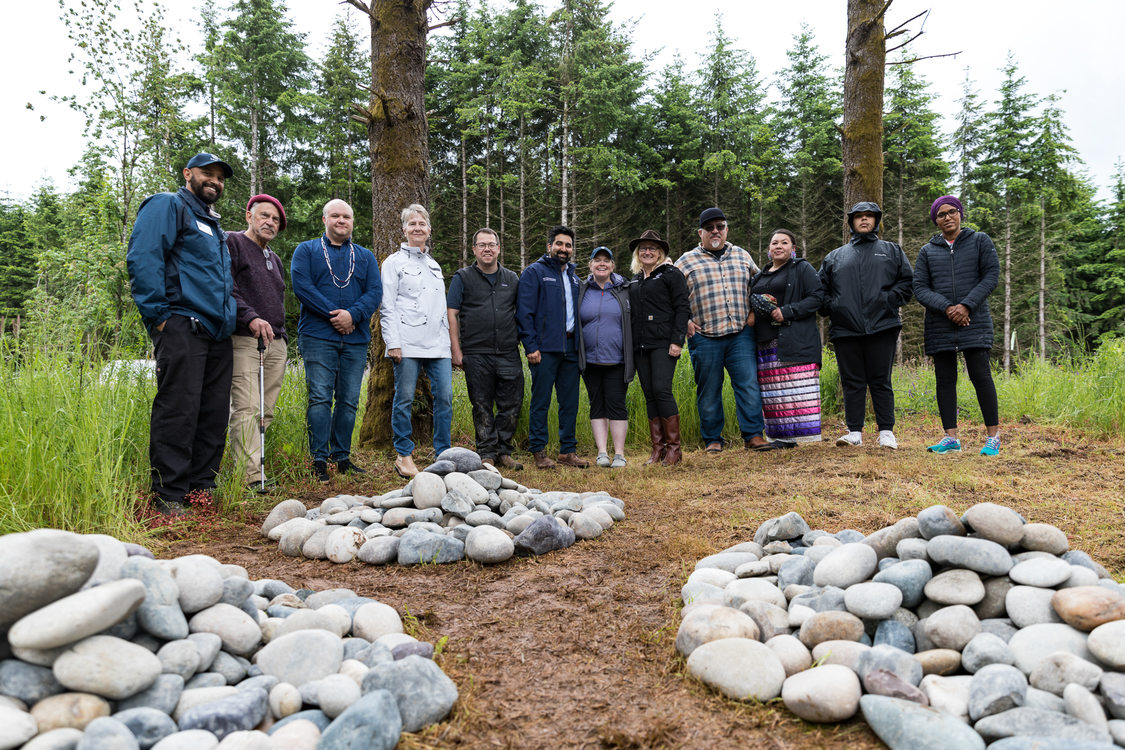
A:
(260, 339)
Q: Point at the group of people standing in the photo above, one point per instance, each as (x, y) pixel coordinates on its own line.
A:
(213, 304)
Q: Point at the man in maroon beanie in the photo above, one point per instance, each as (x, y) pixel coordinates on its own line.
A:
(259, 291)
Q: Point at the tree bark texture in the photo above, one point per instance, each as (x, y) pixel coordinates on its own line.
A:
(864, 58)
(1042, 278)
(398, 140)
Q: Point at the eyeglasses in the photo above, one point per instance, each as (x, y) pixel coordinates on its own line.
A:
(488, 245)
(716, 227)
(946, 214)
(269, 263)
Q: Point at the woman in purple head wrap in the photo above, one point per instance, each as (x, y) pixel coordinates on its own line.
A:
(953, 276)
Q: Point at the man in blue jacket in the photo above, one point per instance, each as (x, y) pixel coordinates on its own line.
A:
(339, 287)
(179, 274)
(547, 317)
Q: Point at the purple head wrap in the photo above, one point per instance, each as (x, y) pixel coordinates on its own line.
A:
(946, 200)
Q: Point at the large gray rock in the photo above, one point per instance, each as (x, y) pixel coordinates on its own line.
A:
(545, 534)
(148, 725)
(464, 460)
(106, 733)
(238, 631)
(905, 725)
(282, 512)
(301, 657)
(371, 723)
(996, 523)
(995, 688)
(238, 713)
(488, 545)
(1034, 643)
(1037, 722)
(739, 668)
(983, 556)
(896, 661)
(40, 567)
(27, 682)
(939, 520)
(910, 576)
(845, 565)
(417, 546)
(77, 616)
(107, 666)
(711, 623)
(423, 693)
(829, 693)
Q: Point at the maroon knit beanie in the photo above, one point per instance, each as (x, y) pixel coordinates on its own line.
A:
(943, 200)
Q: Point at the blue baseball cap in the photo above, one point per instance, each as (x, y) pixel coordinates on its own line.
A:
(602, 249)
(205, 159)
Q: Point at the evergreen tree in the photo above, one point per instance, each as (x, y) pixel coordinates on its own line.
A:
(17, 262)
(967, 140)
(677, 144)
(263, 82)
(806, 126)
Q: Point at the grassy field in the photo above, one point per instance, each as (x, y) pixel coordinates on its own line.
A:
(74, 438)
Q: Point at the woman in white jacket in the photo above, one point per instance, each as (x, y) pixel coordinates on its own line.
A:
(416, 332)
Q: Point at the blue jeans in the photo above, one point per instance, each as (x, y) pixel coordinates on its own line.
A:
(738, 353)
(559, 371)
(440, 373)
(333, 369)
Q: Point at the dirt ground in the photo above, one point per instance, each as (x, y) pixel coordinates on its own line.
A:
(575, 648)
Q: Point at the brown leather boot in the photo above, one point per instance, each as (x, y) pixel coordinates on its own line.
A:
(572, 459)
(672, 453)
(542, 460)
(656, 432)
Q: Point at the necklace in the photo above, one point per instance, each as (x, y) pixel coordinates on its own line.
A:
(351, 267)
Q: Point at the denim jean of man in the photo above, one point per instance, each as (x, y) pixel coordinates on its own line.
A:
(557, 371)
(333, 369)
(440, 373)
(738, 353)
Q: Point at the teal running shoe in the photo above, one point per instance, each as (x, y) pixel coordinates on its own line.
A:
(991, 447)
(946, 445)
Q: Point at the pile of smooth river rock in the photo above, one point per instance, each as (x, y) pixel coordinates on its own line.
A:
(455, 509)
(944, 631)
(106, 648)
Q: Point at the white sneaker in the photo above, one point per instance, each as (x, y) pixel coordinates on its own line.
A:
(887, 440)
(850, 438)
(603, 460)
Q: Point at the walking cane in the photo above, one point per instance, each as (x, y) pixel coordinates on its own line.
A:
(262, 408)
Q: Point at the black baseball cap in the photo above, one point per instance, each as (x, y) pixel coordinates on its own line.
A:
(205, 159)
(711, 214)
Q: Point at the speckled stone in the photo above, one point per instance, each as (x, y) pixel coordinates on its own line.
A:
(1087, 607)
(956, 586)
(830, 626)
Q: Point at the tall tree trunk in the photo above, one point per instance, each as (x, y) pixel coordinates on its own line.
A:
(464, 205)
(255, 146)
(564, 161)
(864, 58)
(397, 135)
(1007, 284)
(500, 185)
(523, 194)
(1042, 277)
(488, 176)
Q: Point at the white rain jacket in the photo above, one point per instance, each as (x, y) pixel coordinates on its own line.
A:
(412, 314)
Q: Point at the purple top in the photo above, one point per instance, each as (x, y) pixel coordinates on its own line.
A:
(600, 315)
(259, 291)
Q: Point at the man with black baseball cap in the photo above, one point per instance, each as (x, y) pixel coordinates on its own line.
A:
(180, 277)
(721, 334)
(259, 293)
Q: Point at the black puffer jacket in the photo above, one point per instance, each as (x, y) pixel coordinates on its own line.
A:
(962, 275)
(798, 339)
(660, 308)
(865, 282)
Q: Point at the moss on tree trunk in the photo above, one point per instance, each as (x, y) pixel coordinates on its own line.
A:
(865, 55)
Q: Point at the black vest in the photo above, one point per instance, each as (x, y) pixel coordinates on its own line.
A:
(488, 312)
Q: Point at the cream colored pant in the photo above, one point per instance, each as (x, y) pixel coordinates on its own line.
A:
(245, 444)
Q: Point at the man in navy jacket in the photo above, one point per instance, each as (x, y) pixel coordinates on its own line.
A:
(547, 317)
(179, 274)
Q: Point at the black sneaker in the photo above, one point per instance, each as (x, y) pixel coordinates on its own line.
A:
(166, 507)
(320, 471)
(347, 467)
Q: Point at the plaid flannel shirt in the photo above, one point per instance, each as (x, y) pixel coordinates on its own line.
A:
(718, 288)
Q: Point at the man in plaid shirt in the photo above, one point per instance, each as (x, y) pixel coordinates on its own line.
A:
(721, 334)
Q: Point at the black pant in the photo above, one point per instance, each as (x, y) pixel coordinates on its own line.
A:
(188, 427)
(607, 390)
(980, 374)
(494, 379)
(865, 362)
(656, 371)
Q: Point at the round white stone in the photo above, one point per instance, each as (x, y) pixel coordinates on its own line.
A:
(846, 565)
(824, 694)
(374, 620)
(739, 668)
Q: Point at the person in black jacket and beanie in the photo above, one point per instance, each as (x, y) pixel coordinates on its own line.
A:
(953, 276)
(659, 297)
(865, 283)
(788, 342)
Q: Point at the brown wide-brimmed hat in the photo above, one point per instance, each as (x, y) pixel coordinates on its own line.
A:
(649, 235)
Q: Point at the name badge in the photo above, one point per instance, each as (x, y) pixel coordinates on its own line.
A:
(204, 228)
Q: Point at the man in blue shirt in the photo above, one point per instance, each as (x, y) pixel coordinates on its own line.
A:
(179, 275)
(338, 285)
(547, 315)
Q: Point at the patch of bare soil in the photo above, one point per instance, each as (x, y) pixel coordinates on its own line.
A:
(575, 648)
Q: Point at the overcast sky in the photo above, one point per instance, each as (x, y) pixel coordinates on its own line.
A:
(1072, 50)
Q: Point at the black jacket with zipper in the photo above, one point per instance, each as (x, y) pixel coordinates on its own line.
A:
(962, 275)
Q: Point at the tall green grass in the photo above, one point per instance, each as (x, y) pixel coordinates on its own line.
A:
(74, 443)
(73, 448)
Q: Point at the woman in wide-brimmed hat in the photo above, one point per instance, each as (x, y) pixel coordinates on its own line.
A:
(659, 298)
(788, 341)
